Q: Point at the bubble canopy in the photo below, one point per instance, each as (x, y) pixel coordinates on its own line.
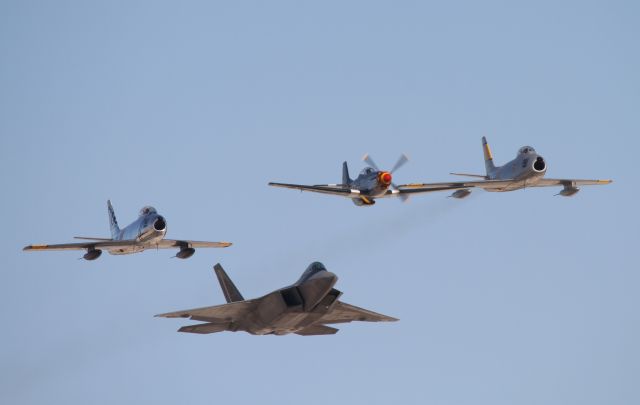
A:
(525, 150)
(367, 170)
(148, 210)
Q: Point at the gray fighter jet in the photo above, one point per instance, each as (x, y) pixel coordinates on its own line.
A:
(372, 183)
(526, 170)
(304, 308)
(146, 232)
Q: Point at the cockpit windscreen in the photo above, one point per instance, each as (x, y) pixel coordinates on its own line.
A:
(148, 210)
(525, 150)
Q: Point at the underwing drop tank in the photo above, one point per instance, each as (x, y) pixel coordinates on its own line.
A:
(461, 193)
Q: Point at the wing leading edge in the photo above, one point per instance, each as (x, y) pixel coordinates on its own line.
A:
(344, 312)
(333, 189)
(171, 243)
(219, 317)
(345, 191)
(115, 244)
(216, 313)
(500, 184)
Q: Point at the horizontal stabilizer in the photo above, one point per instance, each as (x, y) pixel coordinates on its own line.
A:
(204, 328)
(481, 176)
(317, 330)
(216, 313)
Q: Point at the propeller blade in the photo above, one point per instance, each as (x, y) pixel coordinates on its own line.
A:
(401, 162)
(402, 197)
(370, 162)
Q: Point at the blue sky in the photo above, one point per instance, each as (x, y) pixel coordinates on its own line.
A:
(518, 297)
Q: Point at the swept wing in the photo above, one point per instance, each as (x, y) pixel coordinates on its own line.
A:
(570, 182)
(115, 244)
(344, 312)
(109, 244)
(170, 243)
(499, 184)
(204, 328)
(335, 189)
(216, 314)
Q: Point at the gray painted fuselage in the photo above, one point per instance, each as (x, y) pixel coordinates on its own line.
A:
(304, 308)
(294, 308)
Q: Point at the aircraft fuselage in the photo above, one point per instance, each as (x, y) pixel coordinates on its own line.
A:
(371, 184)
(526, 170)
(292, 308)
(148, 229)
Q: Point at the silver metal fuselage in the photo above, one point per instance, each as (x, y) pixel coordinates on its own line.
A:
(147, 230)
(526, 170)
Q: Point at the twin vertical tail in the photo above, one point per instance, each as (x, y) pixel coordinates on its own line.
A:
(346, 180)
(231, 293)
(488, 157)
(115, 229)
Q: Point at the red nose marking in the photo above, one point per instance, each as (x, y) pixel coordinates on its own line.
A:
(386, 178)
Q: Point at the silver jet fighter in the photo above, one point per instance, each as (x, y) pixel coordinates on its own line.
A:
(372, 183)
(146, 232)
(526, 170)
(304, 308)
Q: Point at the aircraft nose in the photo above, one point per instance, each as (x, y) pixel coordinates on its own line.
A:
(385, 178)
(316, 287)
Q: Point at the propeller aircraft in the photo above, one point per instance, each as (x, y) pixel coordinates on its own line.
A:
(371, 183)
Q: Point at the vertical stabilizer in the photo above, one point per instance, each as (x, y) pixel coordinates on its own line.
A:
(488, 157)
(115, 229)
(231, 293)
(345, 174)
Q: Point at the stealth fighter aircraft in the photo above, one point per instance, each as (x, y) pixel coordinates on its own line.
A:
(147, 232)
(526, 170)
(304, 308)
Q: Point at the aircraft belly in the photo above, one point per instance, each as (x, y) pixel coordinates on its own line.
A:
(274, 317)
(295, 320)
(289, 322)
(151, 238)
(377, 192)
(271, 307)
(126, 250)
